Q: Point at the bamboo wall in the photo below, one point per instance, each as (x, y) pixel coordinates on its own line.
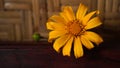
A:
(16, 20)
(19, 19)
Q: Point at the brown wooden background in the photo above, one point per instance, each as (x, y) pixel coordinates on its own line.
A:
(18, 18)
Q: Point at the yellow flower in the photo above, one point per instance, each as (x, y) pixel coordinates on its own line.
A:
(68, 29)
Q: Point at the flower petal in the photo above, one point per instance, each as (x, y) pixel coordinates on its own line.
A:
(55, 34)
(92, 36)
(67, 48)
(88, 16)
(63, 14)
(58, 19)
(78, 50)
(94, 22)
(69, 12)
(49, 26)
(81, 11)
(60, 42)
(55, 26)
(86, 42)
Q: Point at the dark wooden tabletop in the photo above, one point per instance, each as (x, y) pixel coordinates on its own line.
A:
(42, 55)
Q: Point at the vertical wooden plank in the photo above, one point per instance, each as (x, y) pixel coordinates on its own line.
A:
(7, 32)
(11, 32)
(50, 7)
(101, 8)
(101, 5)
(119, 8)
(108, 7)
(89, 5)
(27, 28)
(94, 4)
(43, 17)
(4, 36)
(115, 5)
(1, 4)
(30, 26)
(56, 5)
(18, 32)
(24, 25)
(36, 14)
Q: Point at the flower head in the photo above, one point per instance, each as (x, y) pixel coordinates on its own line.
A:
(68, 29)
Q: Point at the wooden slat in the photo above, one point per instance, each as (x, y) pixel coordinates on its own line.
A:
(4, 26)
(50, 6)
(12, 15)
(43, 17)
(71, 2)
(30, 26)
(119, 8)
(8, 31)
(52, 13)
(56, 5)
(101, 8)
(89, 5)
(115, 6)
(23, 25)
(112, 15)
(112, 25)
(19, 1)
(53, 6)
(17, 32)
(94, 4)
(27, 26)
(36, 14)
(108, 7)
(1, 4)
(4, 36)
(17, 6)
(9, 14)
(10, 20)
(101, 5)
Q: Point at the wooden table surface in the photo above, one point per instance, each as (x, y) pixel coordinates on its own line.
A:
(41, 55)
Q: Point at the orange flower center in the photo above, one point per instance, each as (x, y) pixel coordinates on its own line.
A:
(75, 27)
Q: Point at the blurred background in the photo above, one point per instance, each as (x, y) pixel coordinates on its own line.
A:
(20, 19)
